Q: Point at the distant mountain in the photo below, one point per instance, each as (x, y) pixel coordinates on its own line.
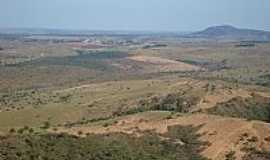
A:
(227, 32)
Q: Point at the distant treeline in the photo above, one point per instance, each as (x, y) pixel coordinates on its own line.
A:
(154, 46)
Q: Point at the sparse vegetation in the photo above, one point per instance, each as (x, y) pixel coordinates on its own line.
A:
(230, 156)
(110, 146)
(258, 155)
(255, 108)
(46, 125)
(132, 84)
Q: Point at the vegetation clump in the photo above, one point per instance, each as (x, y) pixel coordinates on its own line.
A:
(258, 155)
(175, 102)
(181, 142)
(254, 108)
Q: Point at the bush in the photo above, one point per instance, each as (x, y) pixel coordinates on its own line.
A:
(12, 130)
(230, 156)
(46, 125)
(20, 131)
(80, 133)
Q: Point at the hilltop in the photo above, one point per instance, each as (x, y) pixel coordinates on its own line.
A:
(231, 32)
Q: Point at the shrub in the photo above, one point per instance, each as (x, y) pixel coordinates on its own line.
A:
(31, 130)
(46, 125)
(12, 130)
(230, 155)
(20, 131)
(80, 133)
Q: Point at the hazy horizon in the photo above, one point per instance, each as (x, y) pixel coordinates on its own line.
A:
(127, 15)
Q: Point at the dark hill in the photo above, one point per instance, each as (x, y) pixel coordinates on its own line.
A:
(227, 32)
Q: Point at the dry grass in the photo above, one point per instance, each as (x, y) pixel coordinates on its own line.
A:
(87, 94)
(165, 65)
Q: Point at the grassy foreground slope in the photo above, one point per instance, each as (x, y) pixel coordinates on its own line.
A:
(134, 107)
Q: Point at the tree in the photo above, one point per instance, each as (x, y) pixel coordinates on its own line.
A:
(12, 130)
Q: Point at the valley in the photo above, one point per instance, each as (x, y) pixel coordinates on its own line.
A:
(179, 97)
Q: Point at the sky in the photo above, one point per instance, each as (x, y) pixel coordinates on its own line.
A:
(139, 15)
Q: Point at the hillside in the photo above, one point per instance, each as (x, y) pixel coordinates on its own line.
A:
(71, 100)
(233, 33)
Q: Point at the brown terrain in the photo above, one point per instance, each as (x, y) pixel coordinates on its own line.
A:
(106, 86)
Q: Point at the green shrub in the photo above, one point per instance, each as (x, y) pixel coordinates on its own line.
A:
(46, 125)
(254, 108)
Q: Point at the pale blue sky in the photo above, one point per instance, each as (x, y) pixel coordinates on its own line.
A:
(166, 15)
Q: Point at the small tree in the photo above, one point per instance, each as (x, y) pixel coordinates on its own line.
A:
(31, 130)
(80, 133)
(12, 130)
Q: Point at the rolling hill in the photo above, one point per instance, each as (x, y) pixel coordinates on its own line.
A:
(227, 32)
